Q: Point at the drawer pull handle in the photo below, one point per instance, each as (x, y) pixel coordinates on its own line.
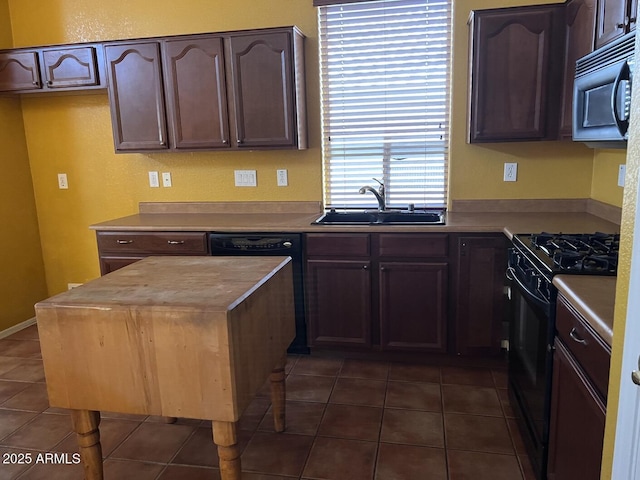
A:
(576, 338)
(175, 242)
(124, 242)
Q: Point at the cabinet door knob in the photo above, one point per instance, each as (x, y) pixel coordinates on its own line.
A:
(49, 82)
(224, 142)
(365, 267)
(620, 25)
(239, 141)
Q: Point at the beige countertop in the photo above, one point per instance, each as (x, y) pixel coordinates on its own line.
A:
(593, 297)
(234, 219)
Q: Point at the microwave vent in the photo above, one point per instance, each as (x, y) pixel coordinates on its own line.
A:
(621, 49)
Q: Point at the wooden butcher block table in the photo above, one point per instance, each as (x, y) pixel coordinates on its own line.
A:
(192, 337)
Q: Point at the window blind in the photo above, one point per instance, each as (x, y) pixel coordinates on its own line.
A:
(385, 101)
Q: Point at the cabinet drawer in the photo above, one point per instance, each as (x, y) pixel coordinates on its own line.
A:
(343, 245)
(413, 245)
(165, 243)
(590, 352)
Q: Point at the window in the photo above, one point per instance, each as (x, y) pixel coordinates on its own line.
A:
(385, 100)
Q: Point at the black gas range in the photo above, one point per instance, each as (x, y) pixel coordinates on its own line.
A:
(561, 253)
(534, 260)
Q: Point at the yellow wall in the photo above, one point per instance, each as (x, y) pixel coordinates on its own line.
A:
(73, 134)
(605, 176)
(22, 280)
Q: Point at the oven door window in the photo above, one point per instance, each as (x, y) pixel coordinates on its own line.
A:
(528, 364)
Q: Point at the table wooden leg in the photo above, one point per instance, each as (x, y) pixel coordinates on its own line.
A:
(86, 425)
(224, 436)
(278, 395)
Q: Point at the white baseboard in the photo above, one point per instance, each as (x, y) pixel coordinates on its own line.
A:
(17, 328)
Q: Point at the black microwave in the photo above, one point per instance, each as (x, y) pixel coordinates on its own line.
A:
(602, 95)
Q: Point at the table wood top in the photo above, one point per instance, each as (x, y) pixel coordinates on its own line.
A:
(205, 283)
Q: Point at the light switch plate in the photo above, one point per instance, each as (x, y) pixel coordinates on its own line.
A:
(283, 179)
(154, 181)
(622, 171)
(245, 178)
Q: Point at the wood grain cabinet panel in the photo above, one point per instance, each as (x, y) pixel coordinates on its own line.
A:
(580, 16)
(578, 398)
(339, 302)
(478, 301)
(577, 422)
(196, 92)
(614, 19)
(413, 306)
(119, 249)
(19, 71)
(71, 67)
(267, 84)
(136, 95)
(515, 70)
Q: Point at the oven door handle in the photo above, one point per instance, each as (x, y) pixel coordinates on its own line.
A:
(623, 75)
(513, 276)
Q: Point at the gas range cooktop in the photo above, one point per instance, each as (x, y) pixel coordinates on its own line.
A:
(587, 254)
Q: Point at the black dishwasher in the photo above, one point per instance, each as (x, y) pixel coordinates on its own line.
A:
(272, 244)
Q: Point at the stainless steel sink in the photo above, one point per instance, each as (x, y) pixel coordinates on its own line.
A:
(390, 217)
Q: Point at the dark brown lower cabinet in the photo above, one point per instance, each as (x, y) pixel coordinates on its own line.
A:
(577, 422)
(413, 306)
(478, 302)
(339, 302)
(382, 290)
(578, 397)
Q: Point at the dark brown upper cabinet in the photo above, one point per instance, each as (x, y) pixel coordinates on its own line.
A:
(196, 92)
(268, 89)
(19, 71)
(580, 18)
(71, 67)
(614, 19)
(515, 73)
(238, 90)
(136, 96)
(66, 67)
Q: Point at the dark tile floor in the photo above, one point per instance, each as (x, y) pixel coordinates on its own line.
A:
(346, 420)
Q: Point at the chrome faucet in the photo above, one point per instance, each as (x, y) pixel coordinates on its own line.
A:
(380, 194)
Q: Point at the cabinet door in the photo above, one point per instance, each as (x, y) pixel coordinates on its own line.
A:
(263, 88)
(196, 93)
(577, 422)
(611, 21)
(580, 24)
(19, 71)
(479, 298)
(136, 96)
(515, 74)
(70, 67)
(339, 302)
(413, 306)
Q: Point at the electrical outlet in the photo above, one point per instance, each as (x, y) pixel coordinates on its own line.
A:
(154, 181)
(283, 181)
(245, 178)
(622, 171)
(166, 179)
(510, 172)
(62, 181)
